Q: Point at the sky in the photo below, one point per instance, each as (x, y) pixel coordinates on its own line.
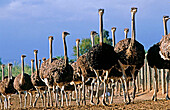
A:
(26, 24)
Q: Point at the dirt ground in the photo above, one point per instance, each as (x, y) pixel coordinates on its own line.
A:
(142, 101)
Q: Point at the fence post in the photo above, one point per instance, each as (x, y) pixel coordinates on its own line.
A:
(163, 80)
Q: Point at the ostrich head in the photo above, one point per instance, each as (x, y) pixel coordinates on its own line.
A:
(32, 66)
(77, 45)
(36, 62)
(9, 71)
(44, 59)
(126, 30)
(50, 38)
(101, 11)
(64, 34)
(133, 10)
(165, 19)
(113, 35)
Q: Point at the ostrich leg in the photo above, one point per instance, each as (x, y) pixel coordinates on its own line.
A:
(123, 86)
(79, 93)
(84, 96)
(25, 104)
(70, 98)
(111, 101)
(92, 89)
(66, 97)
(62, 97)
(116, 91)
(134, 84)
(155, 85)
(105, 83)
(77, 101)
(20, 97)
(125, 81)
(56, 99)
(107, 99)
(30, 98)
(9, 102)
(44, 95)
(98, 84)
(167, 81)
(49, 93)
(42, 98)
(5, 103)
(36, 98)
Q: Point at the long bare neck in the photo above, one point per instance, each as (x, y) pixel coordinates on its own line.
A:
(113, 38)
(125, 34)
(39, 64)
(3, 72)
(36, 63)
(78, 54)
(133, 27)
(32, 66)
(50, 44)
(92, 40)
(65, 51)
(8, 72)
(165, 27)
(22, 67)
(101, 28)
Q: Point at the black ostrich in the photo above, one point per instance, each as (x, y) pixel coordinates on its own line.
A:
(158, 60)
(23, 82)
(101, 57)
(131, 54)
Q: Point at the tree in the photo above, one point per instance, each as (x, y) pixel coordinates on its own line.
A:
(85, 44)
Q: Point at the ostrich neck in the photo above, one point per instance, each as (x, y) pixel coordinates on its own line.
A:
(126, 34)
(32, 67)
(8, 73)
(92, 40)
(36, 65)
(3, 73)
(165, 27)
(22, 74)
(113, 38)
(101, 29)
(133, 28)
(50, 42)
(65, 51)
(39, 64)
(77, 49)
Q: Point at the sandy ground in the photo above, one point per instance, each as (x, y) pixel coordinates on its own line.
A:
(142, 101)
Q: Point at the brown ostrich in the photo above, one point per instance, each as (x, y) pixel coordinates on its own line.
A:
(23, 82)
(7, 88)
(77, 79)
(131, 54)
(101, 57)
(37, 81)
(45, 75)
(157, 57)
(61, 71)
(86, 71)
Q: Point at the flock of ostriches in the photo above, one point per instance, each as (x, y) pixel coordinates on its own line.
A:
(102, 63)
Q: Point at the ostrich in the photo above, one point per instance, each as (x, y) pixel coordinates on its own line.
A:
(61, 71)
(158, 60)
(39, 64)
(131, 54)
(101, 57)
(23, 82)
(45, 75)
(86, 71)
(37, 81)
(7, 88)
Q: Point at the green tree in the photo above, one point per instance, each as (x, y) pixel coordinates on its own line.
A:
(85, 44)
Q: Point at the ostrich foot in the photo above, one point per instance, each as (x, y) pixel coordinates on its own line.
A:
(167, 97)
(92, 103)
(104, 103)
(154, 98)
